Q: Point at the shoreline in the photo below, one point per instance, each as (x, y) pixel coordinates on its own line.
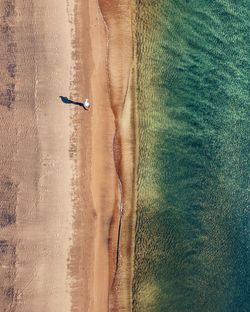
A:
(104, 149)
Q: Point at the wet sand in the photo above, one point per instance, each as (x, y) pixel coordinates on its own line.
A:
(118, 18)
(67, 209)
(101, 258)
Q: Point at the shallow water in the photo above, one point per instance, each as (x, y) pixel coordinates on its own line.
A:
(192, 232)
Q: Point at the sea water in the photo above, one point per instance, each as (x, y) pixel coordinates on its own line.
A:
(193, 231)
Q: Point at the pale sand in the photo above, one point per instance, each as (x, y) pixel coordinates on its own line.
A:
(104, 151)
(39, 134)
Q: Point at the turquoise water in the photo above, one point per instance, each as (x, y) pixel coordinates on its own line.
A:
(193, 218)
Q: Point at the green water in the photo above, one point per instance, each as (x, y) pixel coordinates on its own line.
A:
(193, 230)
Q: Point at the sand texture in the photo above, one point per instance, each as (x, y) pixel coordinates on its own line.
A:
(104, 192)
(66, 175)
(35, 203)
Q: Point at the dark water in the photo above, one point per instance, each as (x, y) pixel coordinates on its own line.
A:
(193, 219)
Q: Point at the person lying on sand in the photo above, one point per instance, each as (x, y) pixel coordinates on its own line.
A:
(85, 104)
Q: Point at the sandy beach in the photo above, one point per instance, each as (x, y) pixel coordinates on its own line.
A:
(165, 140)
(67, 175)
(104, 74)
(35, 162)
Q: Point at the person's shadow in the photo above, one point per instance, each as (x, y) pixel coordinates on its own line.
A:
(66, 100)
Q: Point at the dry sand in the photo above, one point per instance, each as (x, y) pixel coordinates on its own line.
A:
(35, 163)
